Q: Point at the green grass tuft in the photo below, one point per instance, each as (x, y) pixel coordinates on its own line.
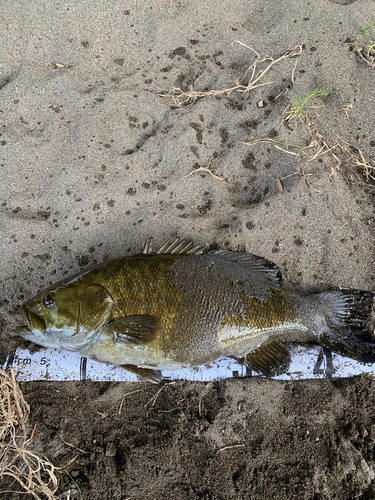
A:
(296, 109)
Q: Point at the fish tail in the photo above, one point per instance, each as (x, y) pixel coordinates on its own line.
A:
(344, 323)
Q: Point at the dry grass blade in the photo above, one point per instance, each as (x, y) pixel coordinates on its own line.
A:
(367, 166)
(205, 169)
(231, 447)
(155, 397)
(280, 185)
(285, 151)
(126, 396)
(34, 474)
(185, 97)
(276, 144)
(366, 55)
(346, 154)
(346, 108)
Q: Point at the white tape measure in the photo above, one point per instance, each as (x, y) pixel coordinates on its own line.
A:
(307, 363)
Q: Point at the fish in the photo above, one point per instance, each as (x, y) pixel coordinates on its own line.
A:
(182, 307)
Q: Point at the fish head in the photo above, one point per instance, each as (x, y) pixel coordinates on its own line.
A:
(68, 316)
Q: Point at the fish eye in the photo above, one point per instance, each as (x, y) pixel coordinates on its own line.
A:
(48, 301)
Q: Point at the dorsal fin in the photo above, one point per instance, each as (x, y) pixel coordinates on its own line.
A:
(147, 247)
(177, 246)
(267, 270)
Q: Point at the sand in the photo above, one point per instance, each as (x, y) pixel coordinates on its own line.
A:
(95, 158)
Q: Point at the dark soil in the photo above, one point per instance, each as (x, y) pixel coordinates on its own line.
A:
(241, 438)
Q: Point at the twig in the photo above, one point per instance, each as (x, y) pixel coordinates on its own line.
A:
(205, 169)
(70, 461)
(72, 446)
(125, 396)
(199, 406)
(294, 69)
(322, 151)
(154, 398)
(343, 152)
(347, 106)
(230, 447)
(169, 411)
(267, 140)
(368, 58)
(368, 166)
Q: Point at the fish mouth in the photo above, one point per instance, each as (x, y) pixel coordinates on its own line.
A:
(34, 321)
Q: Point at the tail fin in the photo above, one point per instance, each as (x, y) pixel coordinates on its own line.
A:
(345, 322)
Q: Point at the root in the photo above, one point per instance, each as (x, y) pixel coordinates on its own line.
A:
(184, 98)
(34, 474)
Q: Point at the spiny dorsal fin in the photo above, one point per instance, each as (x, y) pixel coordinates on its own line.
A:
(147, 247)
(267, 270)
(177, 246)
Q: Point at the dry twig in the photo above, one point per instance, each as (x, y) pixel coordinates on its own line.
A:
(366, 55)
(366, 165)
(155, 397)
(125, 396)
(346, 108)
(231, 447)
(205, 169)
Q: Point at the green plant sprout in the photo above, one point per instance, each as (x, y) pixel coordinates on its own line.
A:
(367, 27)
(298, 107)
(372, 44)
(367, 55)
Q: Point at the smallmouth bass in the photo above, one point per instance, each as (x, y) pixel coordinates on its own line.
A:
(180, 308)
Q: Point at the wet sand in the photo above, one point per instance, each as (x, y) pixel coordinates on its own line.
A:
(95, 158)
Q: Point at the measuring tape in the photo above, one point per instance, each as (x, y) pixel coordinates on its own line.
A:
(306, 363)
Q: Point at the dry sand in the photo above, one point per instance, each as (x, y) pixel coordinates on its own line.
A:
(94, 160)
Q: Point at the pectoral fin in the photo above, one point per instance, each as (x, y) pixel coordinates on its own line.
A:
(270, 358)
(148, 374)
(137, 329)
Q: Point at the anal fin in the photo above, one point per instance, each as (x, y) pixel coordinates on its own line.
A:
(147, 374)
(270, 359)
